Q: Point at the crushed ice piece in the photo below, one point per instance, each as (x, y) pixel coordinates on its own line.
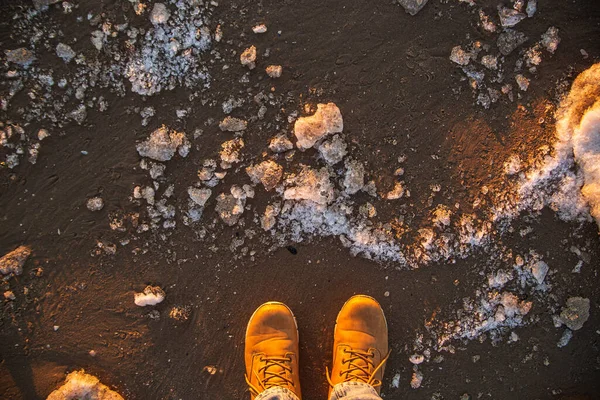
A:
(229, 207)
(13, 262)
(9, 295)
(79, 385)
(310, 184)
(509, 17)
(97, 39)
(12, 160)
(490, 61)
(416, 379)
(260, 28)
(460, 56)
(522, 82)
(565, 338)
(232, 124)
(78, 114)
(274, 71)
(513, 165)
(441, 216)
(486, 22)
(162, 144)
(576, 312)
(157, 170)
(513, 337)
(65, 52)
(396, 193)
(509, 40)
(269, 218)
(231, 152)
(280, 144)
(199, 196)
(354, 178)
(533, 56)
(550, 39)
(151, 295)
(416, 359)
(268, 173)
(539, 270)
(95, 203)
(43, 134)
(412, 6)
(160, 14)
(531, 8)
(248, 57)
(333, 150)
(396, 381)
(499, 279)
(326, 120)
(21, 56)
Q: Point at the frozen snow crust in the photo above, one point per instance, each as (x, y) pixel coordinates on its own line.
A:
(82, 386)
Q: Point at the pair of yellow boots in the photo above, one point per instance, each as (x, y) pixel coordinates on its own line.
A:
(360, 347)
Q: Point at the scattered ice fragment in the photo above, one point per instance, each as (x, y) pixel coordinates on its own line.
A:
(230, 152)
(531, 8)
(98, 39)
(160, 14)
(509, 40)
(260, 28)
(367, 210)
(232, 124)
(79, 385)
(412, 6)
(12, 160)
(280, 144)
(95, 203)
(576, 312)
(416, 380)
(354, 178)
(459, 56)
(550, 39)
(539, 270)
(509, 17)
(274, 71)
(396, 381)
(565, 338)
(65, 52)
(396, 193)
(310, 184)
(326, 120)
(43, 134)
(268, 173)
(333, 150)
(230, 208)
(513, 165)
(162, 144)
(270, 216)
(441, 216)
(522, 81)
(199, 196)
(486, 22)
(79, 114)
(248, 57)
(9, 295)
(151, 295)
(21, 56)
(13, 262)
(490, 61)
(513, 337)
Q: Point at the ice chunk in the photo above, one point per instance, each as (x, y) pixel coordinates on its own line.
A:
(151, 295)
(565, 338)
(95, 203)
(268, 173)
(334, 150)
(269, 218)
(79, 385)
(509, 17)
(39, 4)
(416, 380)
(280, 144)
(412, 6)
(274, 71)
(97, 39)
(162, 144)
(65, 52)
(539, 270)
(354, 178)
(310, 184)
(490, 61)
(486, 22)
(576, 313)
(396, 193)
(160, 14)
(459, 56)
(231, 152)
(199, 196)
(509, 40)
(550, 39)
(531, 8)
(230, 208)
(232, 124)
(21, 56)
(309, 130)
(522, 81)
(260, 28)
(79, 114)
(13, 262)
(248, 57)
(513, 165)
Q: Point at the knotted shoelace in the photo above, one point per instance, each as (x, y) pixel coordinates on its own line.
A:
(272, 373)
(361, 367)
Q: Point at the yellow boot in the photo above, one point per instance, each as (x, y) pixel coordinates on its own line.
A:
(271, 351)
(360, 343)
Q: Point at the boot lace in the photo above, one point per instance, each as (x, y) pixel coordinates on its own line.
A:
(272, 373)
(361, 367)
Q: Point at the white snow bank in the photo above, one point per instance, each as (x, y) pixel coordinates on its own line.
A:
(80, 385)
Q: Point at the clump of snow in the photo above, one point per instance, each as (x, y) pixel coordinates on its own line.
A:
(13, 262)
(274, 71)
(412, 7)
(231, 152)
(230, 207)
(21, 56)
(151, 295)
(490, 61)
(232, 124)
(326, 120)
(509, 40)
(163, 143)
(65, 52)
(310, 184)
(550, 39)
(248, 57)
(396, 193)
(576, 312)
(268, 173)
(354, 178)
(160, 14)
(565, 338)
(509, 17)
(513, 165)
(522, 81)
(95, 203)
(280, 144)
(333, 150)
(199, 195)
(531, 8)
(269, 218)
(486, 23)
(416, 379)
(79, 385)
(260, 28)
(460, 56)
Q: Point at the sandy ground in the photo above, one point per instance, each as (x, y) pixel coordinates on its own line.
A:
(399, 95)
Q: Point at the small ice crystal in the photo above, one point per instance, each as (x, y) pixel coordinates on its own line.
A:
(95, 203)
(65, 52)
(274, 71)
